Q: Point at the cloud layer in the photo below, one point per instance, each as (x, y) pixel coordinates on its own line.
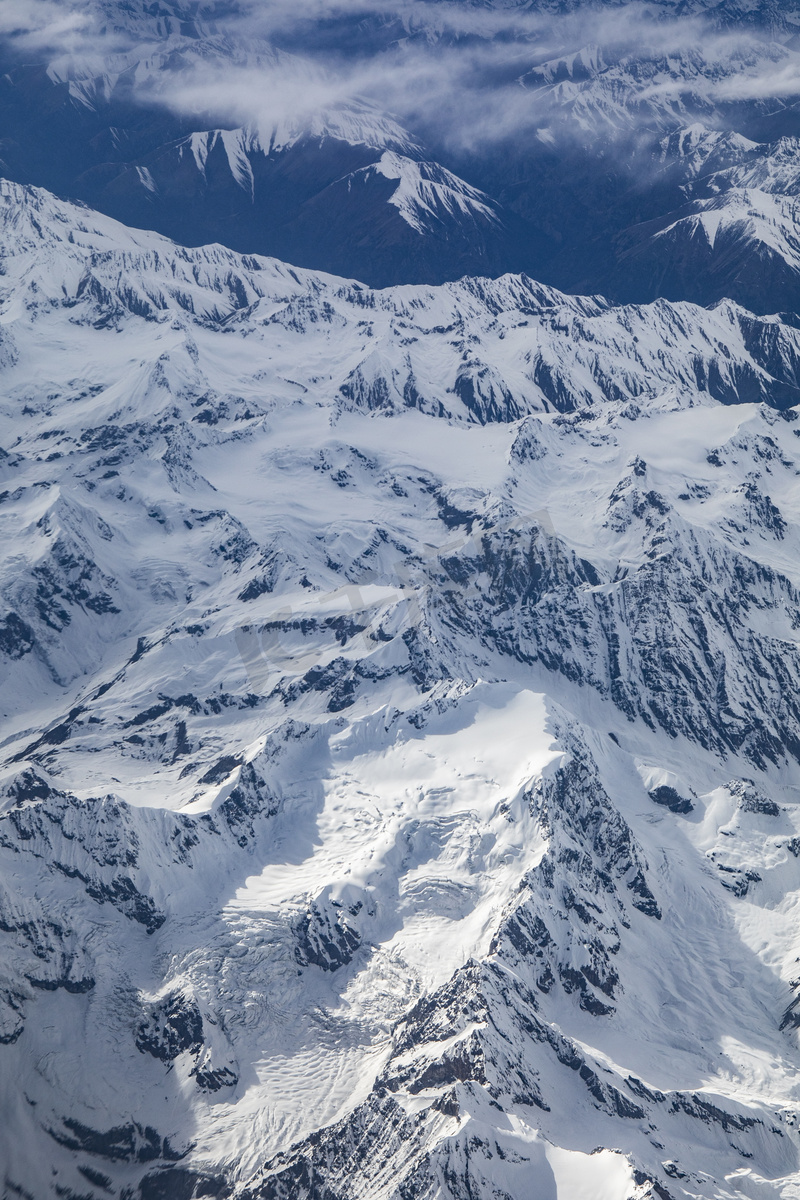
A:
(463, 75)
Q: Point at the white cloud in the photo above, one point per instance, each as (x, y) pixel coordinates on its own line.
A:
(41, 23)
(461, 73)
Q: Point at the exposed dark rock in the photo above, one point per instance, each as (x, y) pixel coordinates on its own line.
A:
(250, 800)
(170, 1027)
(221, 770)
(325, 938)
(211, 1080)
(123, 1143)
(16, 636)
(669, 798)
(76, 986)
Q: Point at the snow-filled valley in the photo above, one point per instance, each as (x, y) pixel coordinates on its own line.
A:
(400, 733)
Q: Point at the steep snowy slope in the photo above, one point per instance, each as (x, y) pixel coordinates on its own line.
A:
(737, 236)
(744, 242)
(400, 733)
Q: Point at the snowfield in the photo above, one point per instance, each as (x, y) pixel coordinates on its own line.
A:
(400, 733)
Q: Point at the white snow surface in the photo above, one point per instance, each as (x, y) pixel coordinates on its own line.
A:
(400, 757)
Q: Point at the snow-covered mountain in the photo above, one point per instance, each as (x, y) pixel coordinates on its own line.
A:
(137, 121)
(645, 157)
(548, 156)
(400, 732)
(399, 718)
(735, 234)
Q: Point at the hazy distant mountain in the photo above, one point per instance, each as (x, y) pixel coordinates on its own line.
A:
(563, 194)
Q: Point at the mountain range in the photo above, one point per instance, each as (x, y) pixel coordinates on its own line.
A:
(603, 183)
(399, 606)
